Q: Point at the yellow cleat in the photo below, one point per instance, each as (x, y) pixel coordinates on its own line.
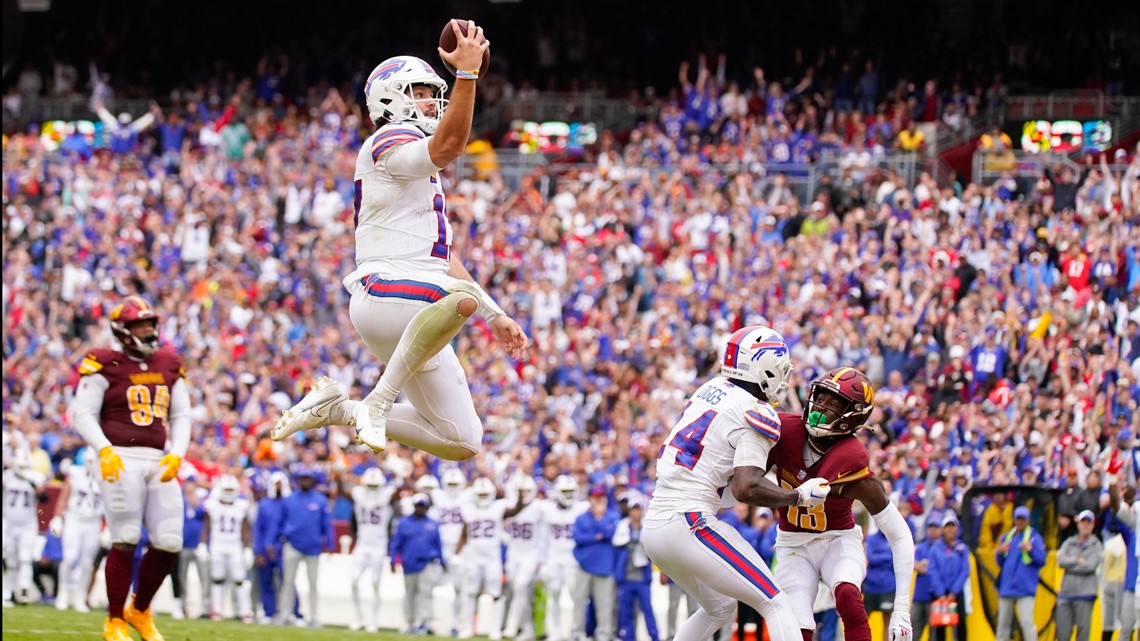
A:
(143, 622)
(116, 630)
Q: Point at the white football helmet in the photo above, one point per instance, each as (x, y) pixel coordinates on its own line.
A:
(759, 355)
(372, 479)
(388, 92)
(565, 489)
(427, 484)
(527, 488)
(228, 489)
(454, 482)
(484, 491)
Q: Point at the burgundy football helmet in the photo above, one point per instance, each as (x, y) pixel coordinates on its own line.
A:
(839, 403)
(135, 310)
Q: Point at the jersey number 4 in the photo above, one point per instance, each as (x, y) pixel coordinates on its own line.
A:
(688, 441)
(143, 409)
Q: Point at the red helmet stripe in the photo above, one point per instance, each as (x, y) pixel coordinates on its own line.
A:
(733, 350)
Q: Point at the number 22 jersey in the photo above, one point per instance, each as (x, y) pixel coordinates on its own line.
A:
(722, 427)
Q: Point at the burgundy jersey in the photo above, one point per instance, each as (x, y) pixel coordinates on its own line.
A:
(845, 462)
(138, 399)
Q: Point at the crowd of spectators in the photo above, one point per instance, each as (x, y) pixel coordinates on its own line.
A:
(1000, 325)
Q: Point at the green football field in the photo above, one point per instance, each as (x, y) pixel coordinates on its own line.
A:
(40, 623)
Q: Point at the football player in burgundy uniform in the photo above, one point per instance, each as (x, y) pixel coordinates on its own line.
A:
(822, 542)
(123, 404)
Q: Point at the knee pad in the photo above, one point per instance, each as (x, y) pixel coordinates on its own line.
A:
(168, 542)
(128, 533)
(849, 604)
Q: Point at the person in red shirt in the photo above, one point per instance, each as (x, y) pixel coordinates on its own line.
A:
(1077, 266)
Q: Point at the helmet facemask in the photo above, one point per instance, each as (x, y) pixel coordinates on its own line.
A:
(137, 344)
(830, 414)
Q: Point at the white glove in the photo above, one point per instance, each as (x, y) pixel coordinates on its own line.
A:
(105, 538)
(900, 629)
(813, 492)
(202, 553)
(56, 525)
(247, 557)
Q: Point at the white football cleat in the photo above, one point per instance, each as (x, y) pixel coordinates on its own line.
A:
(311, 412)
(371, 424)
(81, 607)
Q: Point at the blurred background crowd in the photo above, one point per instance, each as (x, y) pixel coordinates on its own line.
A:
(999, 320)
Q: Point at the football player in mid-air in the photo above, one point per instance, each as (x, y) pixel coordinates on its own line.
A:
(722, 442)
(410, 292)
(123, 404)
(822, 542)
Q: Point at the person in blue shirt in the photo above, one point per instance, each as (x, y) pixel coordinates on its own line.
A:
(48, 566)
(634, 572)
(266, 549)
(191, 536)
(1119, 519)
(416, 547)
(879, 586)
(306, 526)
(928, 582)
(593, 549)
(954, 568)
(1020, 557)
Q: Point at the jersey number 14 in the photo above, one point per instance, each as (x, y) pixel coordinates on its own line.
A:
(688, 441)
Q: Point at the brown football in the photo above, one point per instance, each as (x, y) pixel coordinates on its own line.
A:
(447, 42)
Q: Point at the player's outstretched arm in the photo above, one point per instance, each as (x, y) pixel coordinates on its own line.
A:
(750, 486)
(871, 494)
(450, 138)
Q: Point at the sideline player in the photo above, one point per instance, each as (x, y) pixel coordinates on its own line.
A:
(23, 489)
(559, 568)
(481, 548)
(230, 533)
(447, 509)
(123, 404)
(723, 438)
(371, 517)
(79, 515)
(823, 543)
(526, 549)
(410, 292)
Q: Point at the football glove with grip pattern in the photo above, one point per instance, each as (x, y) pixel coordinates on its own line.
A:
(813, 492)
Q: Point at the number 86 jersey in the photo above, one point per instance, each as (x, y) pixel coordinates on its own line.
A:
(722, 427)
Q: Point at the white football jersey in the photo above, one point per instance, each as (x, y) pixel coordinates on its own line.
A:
(20, 502)
(85, 502)
(558, 522)
(226, 521)
(722, 427)
(373, 513)
(525, 532)
(484, 529)
(400, 220)
(448, 511)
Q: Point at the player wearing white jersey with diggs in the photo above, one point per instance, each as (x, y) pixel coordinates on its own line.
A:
(78, 521)
(526, 547)
(411, 293)
(481, 548)
(723, 438)
(559, 569)
(371, 517)
(228, 527)
(447, 510)
(23, 487)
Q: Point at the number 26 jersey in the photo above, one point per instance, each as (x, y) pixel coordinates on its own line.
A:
(722, 427)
